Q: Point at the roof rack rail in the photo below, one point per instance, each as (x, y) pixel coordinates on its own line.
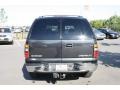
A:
(60, 16)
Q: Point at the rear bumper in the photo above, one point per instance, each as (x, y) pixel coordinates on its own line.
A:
(75, 67)
(100, 37)
(6, 40)
(114, 37)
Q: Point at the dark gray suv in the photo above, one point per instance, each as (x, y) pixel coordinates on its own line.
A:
(61, 45)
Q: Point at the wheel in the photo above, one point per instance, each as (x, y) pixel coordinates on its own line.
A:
(87, 74)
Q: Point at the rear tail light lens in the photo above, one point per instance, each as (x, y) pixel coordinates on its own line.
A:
(96, 52)
(26, 52)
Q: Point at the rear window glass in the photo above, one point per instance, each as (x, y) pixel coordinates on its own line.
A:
(103, 30)
(5, 30)
(50, 29)
(96, 31)
(75, 28)
(45, 29)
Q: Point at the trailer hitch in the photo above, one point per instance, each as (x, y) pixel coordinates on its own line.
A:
(59, 75)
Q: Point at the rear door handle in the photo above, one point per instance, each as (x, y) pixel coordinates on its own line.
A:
(69, 45)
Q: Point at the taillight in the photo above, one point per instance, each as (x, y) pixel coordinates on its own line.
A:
(26, 52)
(96, 52)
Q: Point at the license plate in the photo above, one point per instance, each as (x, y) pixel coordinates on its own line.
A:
(61, 67)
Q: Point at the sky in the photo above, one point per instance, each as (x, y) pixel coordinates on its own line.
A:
(23, 12)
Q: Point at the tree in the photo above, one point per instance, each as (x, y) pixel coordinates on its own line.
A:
(113, 23)
(97, 23)
(3, 17)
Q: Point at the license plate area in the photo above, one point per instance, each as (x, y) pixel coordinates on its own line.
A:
(61, 67)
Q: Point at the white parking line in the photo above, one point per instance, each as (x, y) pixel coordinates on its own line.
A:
(18, 43)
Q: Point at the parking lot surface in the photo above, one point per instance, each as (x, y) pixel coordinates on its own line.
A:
(13, 71)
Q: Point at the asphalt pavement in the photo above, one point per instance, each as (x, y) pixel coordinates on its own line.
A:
(13, 71)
